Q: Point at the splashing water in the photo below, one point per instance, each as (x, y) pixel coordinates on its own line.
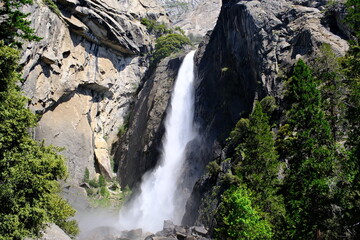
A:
(159, 199)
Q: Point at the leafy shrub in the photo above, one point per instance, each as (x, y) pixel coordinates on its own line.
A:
(213, 168)
(155, 27)
(238, 219)
(93, 183)
(166, 45)
(53, 7)
(86, 175)
(104, 192)
(102, 182)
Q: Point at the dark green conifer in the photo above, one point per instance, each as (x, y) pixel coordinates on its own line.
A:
(309, 150)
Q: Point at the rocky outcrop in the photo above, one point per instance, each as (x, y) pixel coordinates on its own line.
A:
(176, 8)
(200, 19)
(53, 232)
(82, 76)
(253, 44)
(138, 151)
(195, 17)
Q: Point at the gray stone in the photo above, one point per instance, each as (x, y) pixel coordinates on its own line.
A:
(169, 225)
(200, 230)
(134, 234)
(180, 230)
(103, 233)
(53, 232)
(201, 18)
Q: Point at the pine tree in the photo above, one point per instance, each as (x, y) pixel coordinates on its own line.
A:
(13, 24)
(309, 185)
(29, 190)
(258, 165)
(29, 171)
(327, 70)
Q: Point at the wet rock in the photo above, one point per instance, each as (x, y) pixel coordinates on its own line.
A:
(103, 233)
(138, 150)
(168, 227)
(133, 234)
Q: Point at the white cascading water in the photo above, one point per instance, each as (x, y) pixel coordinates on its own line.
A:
(158, 200)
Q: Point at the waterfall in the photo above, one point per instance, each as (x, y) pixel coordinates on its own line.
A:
(159, 198)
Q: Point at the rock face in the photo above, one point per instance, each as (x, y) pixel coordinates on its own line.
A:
(82, 76)
(53, 232)
(176, 8)
(195, 17)
(138, 151)
(244, 59)
(201, 19)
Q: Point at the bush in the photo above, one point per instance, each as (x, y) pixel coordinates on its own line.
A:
(155, 28)
(166, 45)
(93, 183)
(104, 192)
(86, 175)
(53, 7)
(238, 219)
(102, 182)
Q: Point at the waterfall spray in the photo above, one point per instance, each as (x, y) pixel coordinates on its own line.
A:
(158, 200)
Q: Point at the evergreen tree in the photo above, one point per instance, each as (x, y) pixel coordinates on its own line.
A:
(308, 147)
(258, 166)
(327, 70)
(29, 191)
(13, 24)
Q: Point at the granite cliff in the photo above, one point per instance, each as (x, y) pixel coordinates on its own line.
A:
(82, 76)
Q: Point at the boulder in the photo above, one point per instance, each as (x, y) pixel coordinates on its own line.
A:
(52, 232)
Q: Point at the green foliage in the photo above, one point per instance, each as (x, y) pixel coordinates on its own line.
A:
(309, 150)
(29, 191)
(327, 70)
(86, 175)
(238, 219)
(168, 44)
(351, 184)
(53, 7)
(14, 26)
(104, 191)
(102, 182)
(156, 28)
(195, 38)
(353, 16)
(269, 105)
(213, 168)
(259, 165)
(93, 183)
(224, 69)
